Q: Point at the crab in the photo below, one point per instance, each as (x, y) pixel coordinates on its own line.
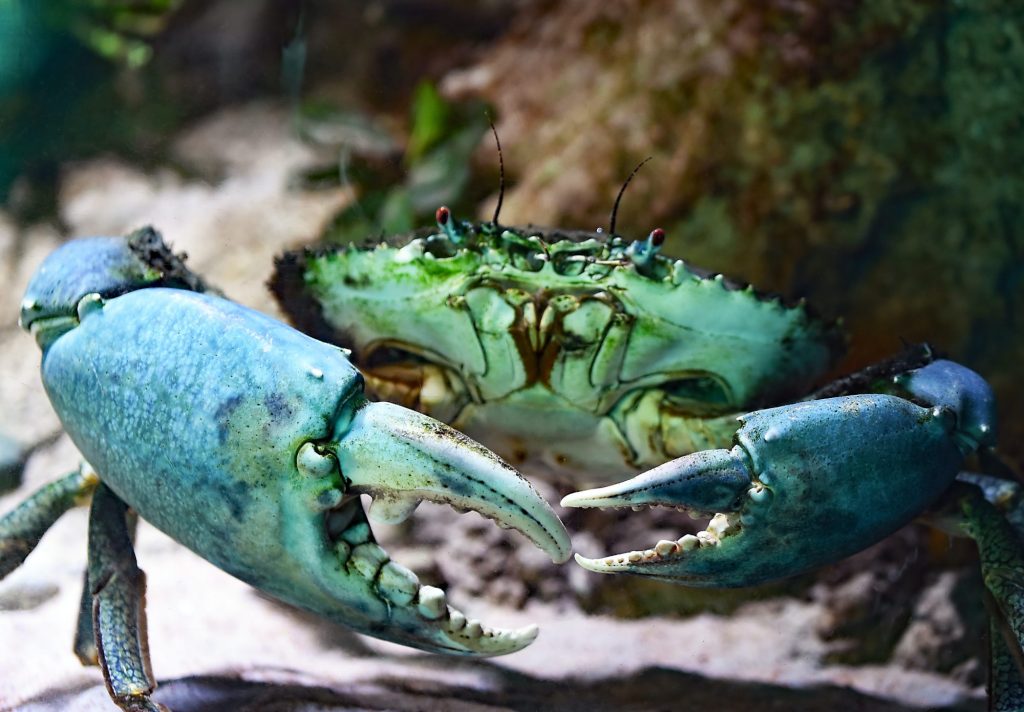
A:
(249, 443)
(583, 356)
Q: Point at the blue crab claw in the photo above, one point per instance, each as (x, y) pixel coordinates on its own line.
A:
(399, 458)
(251, 444)
(805, 484)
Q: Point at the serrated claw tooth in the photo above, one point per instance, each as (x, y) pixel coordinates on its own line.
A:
(473, 629)
(665, 547)
(368, 559)
(689, 542)
(431, 603)
(398, 584)
(707, 539)
(392, 510)
(722, 525)
(456, 620)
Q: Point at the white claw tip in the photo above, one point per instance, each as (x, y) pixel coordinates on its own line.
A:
(528, 634)
(569, 500)
(594, 565)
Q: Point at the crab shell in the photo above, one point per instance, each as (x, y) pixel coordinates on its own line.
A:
(570, 352)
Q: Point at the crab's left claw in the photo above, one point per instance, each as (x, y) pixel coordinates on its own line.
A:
(804, 485)
(400, 457)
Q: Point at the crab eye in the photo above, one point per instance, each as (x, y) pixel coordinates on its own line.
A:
(414, 380)
(440, 246)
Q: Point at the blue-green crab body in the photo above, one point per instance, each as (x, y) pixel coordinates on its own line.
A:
(250, 442)
(809, 483)
(578, 354)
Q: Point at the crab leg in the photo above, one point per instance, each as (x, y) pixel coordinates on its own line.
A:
(12, 463)
(1005, 686)
(118, 588)
(85, 634)
(23, 527)
(988, 510)
(1002, 564)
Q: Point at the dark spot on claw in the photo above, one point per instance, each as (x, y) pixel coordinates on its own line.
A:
(657, 237)
(236, 497)
(442, 215)
(148, 246)
(223, 414)
(278, 407)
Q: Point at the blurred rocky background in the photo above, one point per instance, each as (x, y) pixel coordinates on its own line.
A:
(865, 155)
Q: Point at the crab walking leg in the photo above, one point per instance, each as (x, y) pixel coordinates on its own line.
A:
(1002, 567)
(23, 527)
(1002, 562)
(1005, 687)
(85, 634)
(118, 588)
(990, 510)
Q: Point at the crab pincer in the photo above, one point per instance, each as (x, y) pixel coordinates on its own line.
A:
(808, 483)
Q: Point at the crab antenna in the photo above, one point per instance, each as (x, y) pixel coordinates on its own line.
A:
(618, 198)
(501, 171)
